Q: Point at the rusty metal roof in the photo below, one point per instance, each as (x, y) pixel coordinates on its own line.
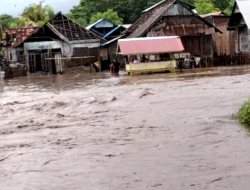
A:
(147, 20)
(133, 46)
(183, 30)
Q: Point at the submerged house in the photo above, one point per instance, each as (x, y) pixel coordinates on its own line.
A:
(176, 18)
(223, 42)
(56, 43)
(111, 33)
(240, 24)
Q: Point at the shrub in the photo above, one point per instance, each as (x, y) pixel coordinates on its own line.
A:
(243, 114)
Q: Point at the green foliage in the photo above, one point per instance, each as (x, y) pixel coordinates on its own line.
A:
(8, 21)
(204, 6)
(208, 6)
(243, 115)
(109, 15)
(37, 13)
(229, 9)
(88, 11)
(79, 20)
(129, 10)
(221, 4)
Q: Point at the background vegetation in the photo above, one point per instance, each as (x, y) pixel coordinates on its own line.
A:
(89, 11)
(243, 115)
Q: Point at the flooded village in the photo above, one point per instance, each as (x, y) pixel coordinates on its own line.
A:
(165, 122)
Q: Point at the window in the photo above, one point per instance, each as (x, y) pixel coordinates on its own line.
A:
(10, 56)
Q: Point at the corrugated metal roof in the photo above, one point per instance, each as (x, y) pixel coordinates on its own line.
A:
(126, 25)
(151, 45)
(111, 41)
(183, 30)
(91, 25)
(244, 6)
(111, 31)
(213, 14)
(155, 5)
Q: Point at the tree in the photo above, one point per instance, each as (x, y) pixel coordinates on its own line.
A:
(229, 8)
(129, 10)
(79, 20)
(109, 15)
(8, 21)
(221, 4)
(36, 13)
(204, 6)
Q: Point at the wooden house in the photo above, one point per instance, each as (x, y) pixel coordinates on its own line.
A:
(223, 42)
(176, 18)
(111, 33)
(239, 23)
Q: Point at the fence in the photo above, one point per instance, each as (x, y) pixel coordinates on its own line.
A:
(230, 60)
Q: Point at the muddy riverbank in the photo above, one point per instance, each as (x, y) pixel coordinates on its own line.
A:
(147, 132)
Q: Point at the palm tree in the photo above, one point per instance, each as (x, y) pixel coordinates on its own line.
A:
(37, 13)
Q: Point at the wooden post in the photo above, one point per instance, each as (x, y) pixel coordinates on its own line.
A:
(201, 48)
(99, 58)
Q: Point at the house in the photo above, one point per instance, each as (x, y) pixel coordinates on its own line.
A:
(239, 23)
(223, 42)
(176, 18)
(110, 32)
(13, 37)
(58, 43)
(106, 29)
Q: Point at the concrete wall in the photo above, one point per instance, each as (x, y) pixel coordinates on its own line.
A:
(14, 54)
(67, 49)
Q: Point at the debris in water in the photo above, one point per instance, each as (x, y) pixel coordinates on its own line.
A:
(218, 179)
(60, 115)
(113, 99)
(145, 93)
(21, 126)
(110, 155)
(2, 159)
(47, 162)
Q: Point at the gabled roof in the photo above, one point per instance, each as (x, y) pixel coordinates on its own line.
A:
(163, 1)
(115, 27)
(147, 20)
(92, 25)
(111, 41)
(112, 31)
(19, 34)
(243, 6)
(65, 28)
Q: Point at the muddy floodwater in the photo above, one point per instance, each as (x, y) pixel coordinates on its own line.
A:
(159, 132)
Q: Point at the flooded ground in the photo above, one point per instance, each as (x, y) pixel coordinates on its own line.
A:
(148, 132)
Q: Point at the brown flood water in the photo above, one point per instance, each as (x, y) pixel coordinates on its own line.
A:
(98, 132)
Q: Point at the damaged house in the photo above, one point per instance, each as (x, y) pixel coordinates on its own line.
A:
(176, 18)
(13, 37)
(240, 24)
(58, 43)
(111, 33)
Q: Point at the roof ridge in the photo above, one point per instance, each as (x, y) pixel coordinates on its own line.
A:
(151, 20)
